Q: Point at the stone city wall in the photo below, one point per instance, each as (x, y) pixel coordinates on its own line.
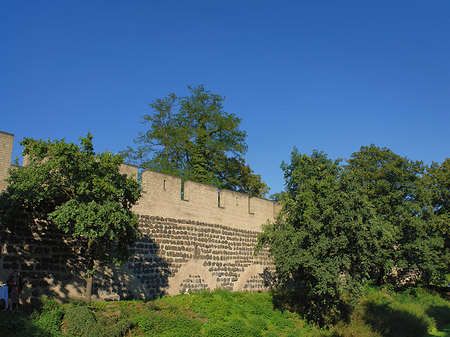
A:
(6, 146)
(201, 239)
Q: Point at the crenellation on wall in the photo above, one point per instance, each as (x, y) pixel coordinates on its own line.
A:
(201, 196)
(129, 170)
(162, 196)
(233, 201)
(251, 205)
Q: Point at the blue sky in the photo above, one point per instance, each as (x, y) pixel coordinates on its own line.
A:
(319, 74)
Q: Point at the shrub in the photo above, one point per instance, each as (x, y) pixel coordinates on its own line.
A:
(182, 327)
(118, 329)
(234, 328)
(80, 321)
(143, 322)
(45, 321)
(258, 323)
(78, 302)
(441, 313)
(398, 319)
(48, 321)
(13, 325)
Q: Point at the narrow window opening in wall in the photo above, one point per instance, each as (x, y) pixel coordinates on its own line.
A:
(250, 210)
(164, 185)
(236, 199)
(197, 252)
(182, 190)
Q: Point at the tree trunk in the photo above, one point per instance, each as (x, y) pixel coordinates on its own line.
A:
(89, 273)
(88, 292)
(380, 278)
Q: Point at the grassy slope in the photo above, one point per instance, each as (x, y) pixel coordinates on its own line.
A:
(414, 312)
(218, 313)
(221, 313)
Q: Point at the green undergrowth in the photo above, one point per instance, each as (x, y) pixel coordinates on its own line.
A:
(218, 313)
(381, 313)
(410, 313)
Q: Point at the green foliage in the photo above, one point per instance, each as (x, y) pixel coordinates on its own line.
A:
(414, 312)
(13, 325)
(143, 321)
(226, 313)
(49, 321)
(78, 302)
(259, 323)
(120, 328)
(233, 328)
(44, 322)
(436, 187)
(77, 191)
(193, 138)
(381, 216)
(177, 326)
(395, 187)
(80, 321)
(385, 318)
(437, 183)
(324, 238)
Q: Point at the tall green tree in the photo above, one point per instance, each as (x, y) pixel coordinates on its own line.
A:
(436, 187)
(82, 193)
(393, 184)
(194, 138)
(324, 238)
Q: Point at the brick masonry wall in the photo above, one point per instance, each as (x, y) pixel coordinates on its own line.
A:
(47, 259)
(161, 196)
(173, 256)
(178, 256)
(201, 241)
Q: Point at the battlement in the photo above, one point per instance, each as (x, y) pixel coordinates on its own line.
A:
(162, 196)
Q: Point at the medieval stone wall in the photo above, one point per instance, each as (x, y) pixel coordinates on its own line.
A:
(6, 146)
(161, 196)
(47, 259)
(176, 256)
(195, 240)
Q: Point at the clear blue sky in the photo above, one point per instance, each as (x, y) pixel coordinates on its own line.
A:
(327, 75)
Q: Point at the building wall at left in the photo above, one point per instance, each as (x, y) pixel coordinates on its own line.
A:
(6, 147)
